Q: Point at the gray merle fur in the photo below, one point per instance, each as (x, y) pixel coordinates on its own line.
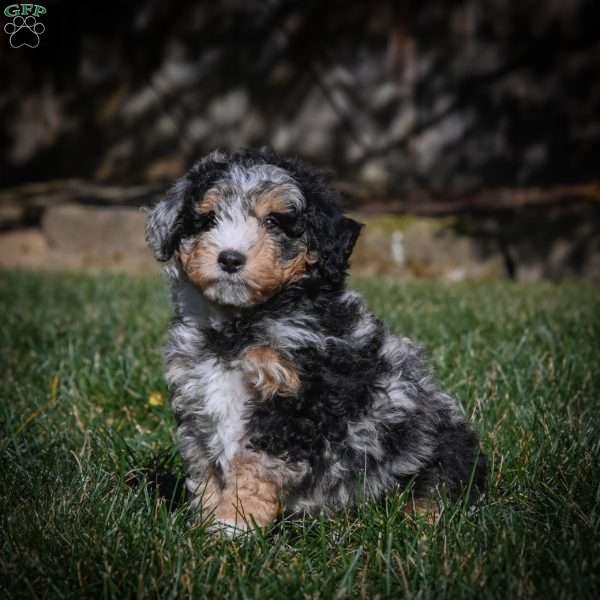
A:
(368, 416)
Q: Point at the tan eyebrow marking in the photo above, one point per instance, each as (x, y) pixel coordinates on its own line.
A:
(209, 202)
(272, 201)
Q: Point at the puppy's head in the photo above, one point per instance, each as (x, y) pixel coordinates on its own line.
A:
(245, 226)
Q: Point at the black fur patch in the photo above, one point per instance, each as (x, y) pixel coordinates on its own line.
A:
(367, 407)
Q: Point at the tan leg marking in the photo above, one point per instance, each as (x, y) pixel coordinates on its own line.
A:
(270, 373)
(207, 495)
(252, 495)
(423, 507)
(211, 492)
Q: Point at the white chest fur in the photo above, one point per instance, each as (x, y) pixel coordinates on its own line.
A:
(214, 395)
(225, 403)
(212, 398)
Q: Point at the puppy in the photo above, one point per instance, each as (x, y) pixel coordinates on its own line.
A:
(289, 395)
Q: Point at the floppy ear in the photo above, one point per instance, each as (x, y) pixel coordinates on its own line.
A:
(348, 231)
(164, 222)
(333, 240)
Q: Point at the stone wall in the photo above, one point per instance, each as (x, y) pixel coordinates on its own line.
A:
(76, 236)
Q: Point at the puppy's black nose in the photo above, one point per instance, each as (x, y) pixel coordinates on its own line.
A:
(231, 260)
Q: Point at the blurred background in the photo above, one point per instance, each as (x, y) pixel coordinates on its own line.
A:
(466, 135)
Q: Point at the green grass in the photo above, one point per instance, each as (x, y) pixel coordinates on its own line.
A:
(80, 358)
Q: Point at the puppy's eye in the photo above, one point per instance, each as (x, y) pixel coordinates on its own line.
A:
(288, 223)
(204, 221)
(271, 221)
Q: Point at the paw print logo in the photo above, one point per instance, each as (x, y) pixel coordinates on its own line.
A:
(24, 31)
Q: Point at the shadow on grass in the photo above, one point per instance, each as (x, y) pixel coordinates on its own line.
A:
(162, 479)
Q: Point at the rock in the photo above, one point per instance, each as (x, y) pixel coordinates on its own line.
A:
(592, 270)
(11, 214)
(103, 230)
(420, 247)
(97, 237)
(23, 248)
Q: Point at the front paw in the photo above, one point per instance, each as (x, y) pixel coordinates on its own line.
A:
(205, 495)
(269, 373)
(230, 529)
(251, 497)
(424, 508)
(244, 516)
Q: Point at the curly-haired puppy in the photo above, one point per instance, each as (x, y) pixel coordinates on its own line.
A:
(289, 394)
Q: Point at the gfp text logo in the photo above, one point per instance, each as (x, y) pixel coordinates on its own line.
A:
(24, 29)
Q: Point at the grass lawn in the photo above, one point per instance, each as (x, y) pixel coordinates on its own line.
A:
(82, 413)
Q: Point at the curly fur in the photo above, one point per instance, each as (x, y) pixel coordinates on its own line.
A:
(357, 412)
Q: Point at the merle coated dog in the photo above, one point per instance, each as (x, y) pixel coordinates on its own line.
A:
(289, 394)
